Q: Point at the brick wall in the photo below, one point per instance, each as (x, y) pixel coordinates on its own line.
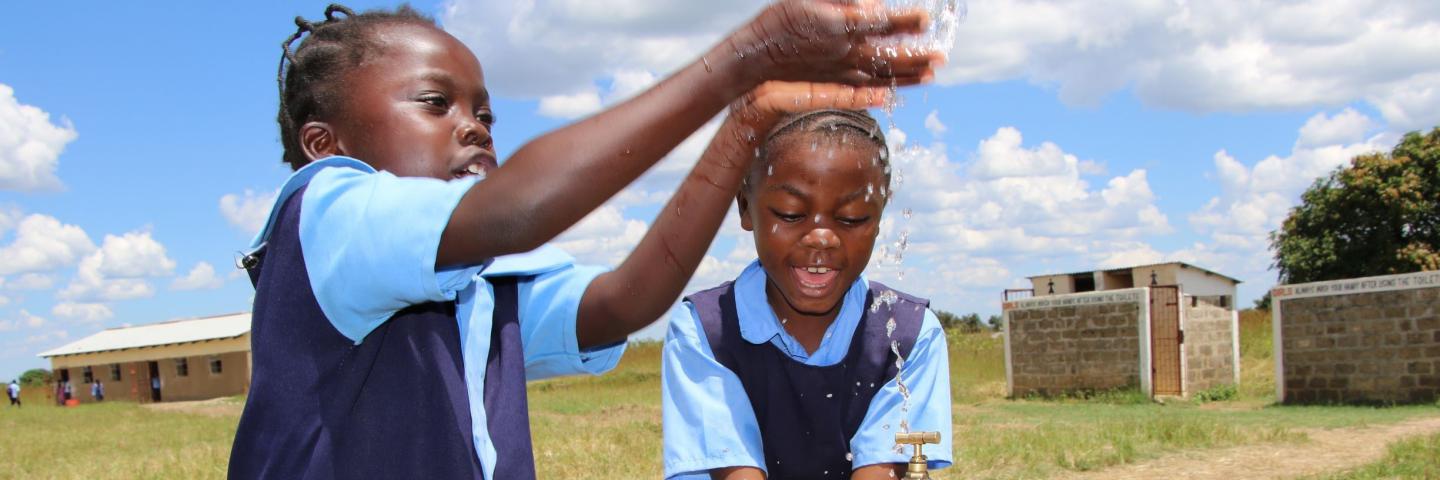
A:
(1072, 348)
(1364, 347)
(1209, 346)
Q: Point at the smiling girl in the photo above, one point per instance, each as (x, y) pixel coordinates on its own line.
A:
(790, 370)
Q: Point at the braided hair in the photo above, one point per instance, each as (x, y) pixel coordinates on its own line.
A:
(830, 125)
(310, 74)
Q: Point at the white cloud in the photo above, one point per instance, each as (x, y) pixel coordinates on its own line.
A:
(541, 48)
(570, 106)
(4, 300)
(47, 337)
(602, 237)
(118, 270)
(1222, 55)
(1255, 199)
(1348, 126)
(30, 145)
(248, 211)
(29, 320)
(30, 281)
(202, 277)
(42, 243)
(932, 123)
(82, 312)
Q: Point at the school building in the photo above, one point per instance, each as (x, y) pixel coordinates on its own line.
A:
(1168, 329)
(190, 359)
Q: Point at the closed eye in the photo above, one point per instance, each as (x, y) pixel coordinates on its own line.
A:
(788, 217)
(435, 100)
(853, 220)
(485, 117)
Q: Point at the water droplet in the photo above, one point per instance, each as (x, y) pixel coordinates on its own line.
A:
(849, 457)
(829, 395)
(814, 145)
(706, 60)
(774, 227)
(907, 213)
(782, 322)
(757, 152)
(885, 426)
(770, 170)
(817, 218)
(890, 327)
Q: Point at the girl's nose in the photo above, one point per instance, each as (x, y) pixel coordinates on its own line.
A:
(473, 132)
(820, 239)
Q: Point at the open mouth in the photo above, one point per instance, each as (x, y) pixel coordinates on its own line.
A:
(471, 170)
(815, 278)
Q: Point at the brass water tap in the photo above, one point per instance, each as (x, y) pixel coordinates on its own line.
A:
(918, 469)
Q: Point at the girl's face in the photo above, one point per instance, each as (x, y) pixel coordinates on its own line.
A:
(419, 108)
(815, 214)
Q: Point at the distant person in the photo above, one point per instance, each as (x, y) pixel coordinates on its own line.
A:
(69, 391)
(14, 391)
(97, 391)
(790, 370)
(400, 299)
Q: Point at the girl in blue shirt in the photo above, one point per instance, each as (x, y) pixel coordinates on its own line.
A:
(396, 318)
(790, 371)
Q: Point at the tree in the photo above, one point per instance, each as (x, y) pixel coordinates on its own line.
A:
(996, 322)
(969, 323)
(35, 377)
(1378, 215)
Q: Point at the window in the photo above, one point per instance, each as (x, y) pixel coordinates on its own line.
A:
(115, 372)
(89, 375)
(215, 366)
(182, 369)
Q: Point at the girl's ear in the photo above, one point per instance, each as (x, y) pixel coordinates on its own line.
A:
(743, 204)
(318, 140)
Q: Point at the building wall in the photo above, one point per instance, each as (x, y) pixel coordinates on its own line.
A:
(1203, 284)
(134, 383)
(1373, 340)
(1059, 349)
(1209, 347)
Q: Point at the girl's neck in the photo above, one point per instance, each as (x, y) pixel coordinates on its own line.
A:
(807, 328)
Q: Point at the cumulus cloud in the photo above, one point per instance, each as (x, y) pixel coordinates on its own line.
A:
(1255, 199)
(118, 270)
(1223, 55)
(82, 312)
(933, 124)
(533, 49)
(30, 281)
(248, 211)
(202, 277)
(30, 145)
(41, 244)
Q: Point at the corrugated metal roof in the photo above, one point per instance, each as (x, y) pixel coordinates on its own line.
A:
(157, 334)
(1182, 264)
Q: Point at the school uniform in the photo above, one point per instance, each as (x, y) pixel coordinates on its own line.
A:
(739, 391)
(371, 363)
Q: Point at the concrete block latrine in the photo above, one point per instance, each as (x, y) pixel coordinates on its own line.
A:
(1156, 339)
(1365, 340)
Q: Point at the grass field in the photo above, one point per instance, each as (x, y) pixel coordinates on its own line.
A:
(609, 427)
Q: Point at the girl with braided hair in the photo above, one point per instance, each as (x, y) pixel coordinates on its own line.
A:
(794, 370)
(404, 291)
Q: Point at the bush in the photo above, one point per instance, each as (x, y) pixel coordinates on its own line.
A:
(1219, 393)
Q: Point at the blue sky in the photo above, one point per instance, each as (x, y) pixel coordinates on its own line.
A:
(138, 143)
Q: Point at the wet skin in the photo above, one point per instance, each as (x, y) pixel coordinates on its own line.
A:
(782, 209)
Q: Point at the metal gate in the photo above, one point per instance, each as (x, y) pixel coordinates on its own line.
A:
(1165, 339)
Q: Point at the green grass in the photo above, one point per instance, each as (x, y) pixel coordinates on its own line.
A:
(608, 427)
(112, 440)
(1417, 458)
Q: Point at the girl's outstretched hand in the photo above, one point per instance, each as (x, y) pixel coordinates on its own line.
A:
(766, 104)
(849, 42)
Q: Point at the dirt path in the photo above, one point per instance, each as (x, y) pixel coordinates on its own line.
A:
(1327, 451)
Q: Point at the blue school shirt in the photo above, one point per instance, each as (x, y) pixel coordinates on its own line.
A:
(370, 241)
(707, 418)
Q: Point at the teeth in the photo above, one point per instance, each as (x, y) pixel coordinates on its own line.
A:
(818, 269)
(476, 169)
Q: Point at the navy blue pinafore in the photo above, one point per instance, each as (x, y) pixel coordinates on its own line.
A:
(808, 414)
(393, 406)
